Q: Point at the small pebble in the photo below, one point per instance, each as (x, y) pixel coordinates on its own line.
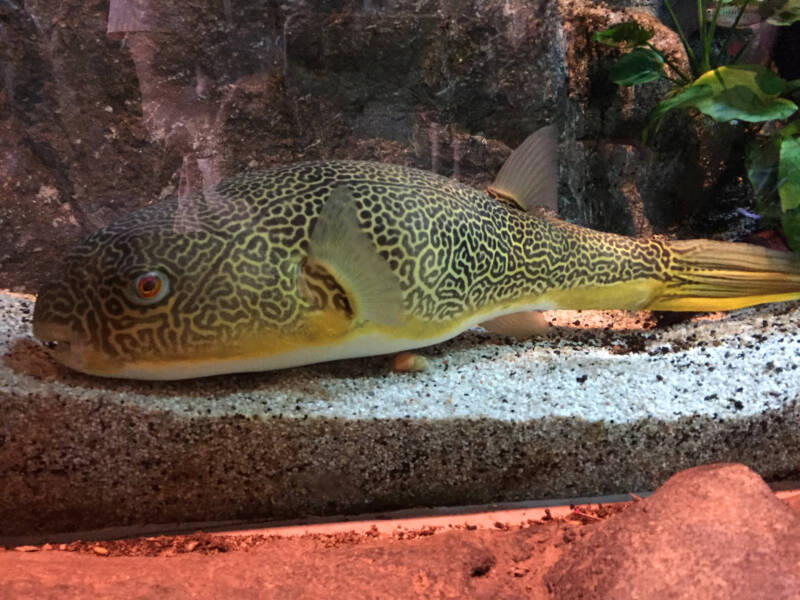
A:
(408, 362)
(27, 548)
(101, 550)
(189, 546)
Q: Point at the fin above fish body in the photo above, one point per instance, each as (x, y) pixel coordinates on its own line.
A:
(338, 259)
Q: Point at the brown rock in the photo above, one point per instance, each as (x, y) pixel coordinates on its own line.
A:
(94, 128)
(715, 531)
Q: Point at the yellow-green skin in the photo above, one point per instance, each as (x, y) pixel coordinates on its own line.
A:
(242, 289)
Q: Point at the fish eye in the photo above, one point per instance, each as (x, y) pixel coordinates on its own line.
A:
(149, 288)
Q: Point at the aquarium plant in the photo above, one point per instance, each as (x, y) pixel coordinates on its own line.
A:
(719, 86)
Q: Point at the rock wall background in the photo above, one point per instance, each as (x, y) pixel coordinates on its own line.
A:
(94, 124)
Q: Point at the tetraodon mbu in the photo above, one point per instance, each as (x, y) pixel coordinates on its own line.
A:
(337, 259)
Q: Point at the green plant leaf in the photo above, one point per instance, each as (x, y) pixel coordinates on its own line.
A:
(762, 168)
(739, 92)
(786, 14)
(768, 82)
(685, 98)
(689, 97)
(629, 33)
(640, 65)
(790, 129)
(789, 174)
(790, 223)
(789, 190)
(742, 103)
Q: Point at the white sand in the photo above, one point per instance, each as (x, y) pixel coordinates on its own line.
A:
(742, 364)
(604, 406)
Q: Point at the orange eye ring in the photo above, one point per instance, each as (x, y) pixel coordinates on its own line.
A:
(149, 288)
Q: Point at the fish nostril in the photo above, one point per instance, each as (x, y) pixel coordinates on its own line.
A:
(58, 348)
(53, 336)
(56, 344)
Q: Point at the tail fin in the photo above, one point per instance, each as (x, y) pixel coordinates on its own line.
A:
(709, 276)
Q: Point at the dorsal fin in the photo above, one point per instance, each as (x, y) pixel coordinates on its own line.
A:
(530, 175)
(338, 243)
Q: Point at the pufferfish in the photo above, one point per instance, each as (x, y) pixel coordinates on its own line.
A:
(338, 259)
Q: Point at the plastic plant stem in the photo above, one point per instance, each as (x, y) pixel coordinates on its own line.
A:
(678, 27)
(684, 78)
(730, 31)
(710, 33)
(701, 27)
(744, 47)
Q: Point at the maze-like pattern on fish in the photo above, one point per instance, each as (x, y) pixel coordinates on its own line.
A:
(236, 258)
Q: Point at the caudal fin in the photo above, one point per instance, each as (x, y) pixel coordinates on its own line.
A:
(708, 276)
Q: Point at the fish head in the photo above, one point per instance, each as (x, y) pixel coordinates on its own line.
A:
(155, 290)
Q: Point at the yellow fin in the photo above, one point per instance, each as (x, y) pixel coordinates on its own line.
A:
(530, 175)
(521, 325)
(338, 243)
(711, 275)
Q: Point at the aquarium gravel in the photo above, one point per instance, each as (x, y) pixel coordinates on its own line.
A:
(606, 403)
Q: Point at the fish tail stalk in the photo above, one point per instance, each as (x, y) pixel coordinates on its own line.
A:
(706, 275)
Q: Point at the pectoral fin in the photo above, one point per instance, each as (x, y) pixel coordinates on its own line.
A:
(348, 254)
(520, 325)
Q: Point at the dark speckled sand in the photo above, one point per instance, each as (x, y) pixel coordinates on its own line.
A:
(580, 412)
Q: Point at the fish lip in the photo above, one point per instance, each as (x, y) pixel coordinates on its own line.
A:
(49, 333)
(59, 341)
(59, 347)
(72, 349)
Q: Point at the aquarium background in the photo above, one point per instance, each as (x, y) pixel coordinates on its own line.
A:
(107, 107)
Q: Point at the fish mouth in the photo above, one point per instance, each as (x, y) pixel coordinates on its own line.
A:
(60, 342)
(59, 349)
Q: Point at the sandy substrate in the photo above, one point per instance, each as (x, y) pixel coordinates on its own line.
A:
(563, 553)
(609, 403)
